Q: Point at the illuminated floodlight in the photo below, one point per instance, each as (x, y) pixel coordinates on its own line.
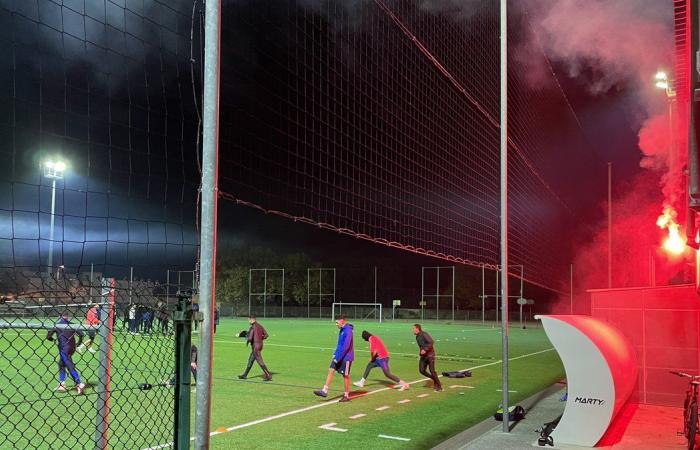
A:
(661, 76)
(54, 169)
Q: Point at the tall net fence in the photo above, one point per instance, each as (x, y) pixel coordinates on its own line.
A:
(99, 142)
(379, 119)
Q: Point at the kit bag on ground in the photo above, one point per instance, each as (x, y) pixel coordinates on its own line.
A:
(517, 413)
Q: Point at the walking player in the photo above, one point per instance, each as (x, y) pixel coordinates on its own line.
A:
(427, 356)
(66, 348)
(342, 359)
(378, 357)
(255, 337)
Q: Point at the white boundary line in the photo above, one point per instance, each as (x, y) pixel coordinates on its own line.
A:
(396, 438)
(332, 402)
(357, 416)
(381, 408)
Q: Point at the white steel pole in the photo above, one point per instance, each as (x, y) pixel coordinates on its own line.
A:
(210, 168)
(504, 209)
(51, 229)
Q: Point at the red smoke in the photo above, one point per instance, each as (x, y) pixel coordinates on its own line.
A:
(624, 43)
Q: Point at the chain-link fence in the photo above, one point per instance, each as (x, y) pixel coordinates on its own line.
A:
(85, 362)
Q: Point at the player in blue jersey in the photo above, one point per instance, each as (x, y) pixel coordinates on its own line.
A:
(342, 359)
(66, 347)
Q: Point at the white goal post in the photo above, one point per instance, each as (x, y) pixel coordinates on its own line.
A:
(340, 306)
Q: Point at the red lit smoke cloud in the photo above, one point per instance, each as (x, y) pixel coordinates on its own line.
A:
(613, 45)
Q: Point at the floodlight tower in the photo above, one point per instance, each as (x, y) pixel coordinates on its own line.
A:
(53, 170)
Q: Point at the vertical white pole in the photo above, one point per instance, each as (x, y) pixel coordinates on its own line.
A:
(453, 293)
(210, 169)
(571, 287)
(283, 293)
(609, 225)
(422, 290)
(483, 295)
(51, 231)
(375, 284)
(437, 295)
(504, 210)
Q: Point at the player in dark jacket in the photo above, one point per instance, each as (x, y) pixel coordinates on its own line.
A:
(255, 337)
(427, 356)
(66, 348)
(342, 359)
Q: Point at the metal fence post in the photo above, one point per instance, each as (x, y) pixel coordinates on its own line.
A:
(210, 169)
(104, 379)
(183, 346)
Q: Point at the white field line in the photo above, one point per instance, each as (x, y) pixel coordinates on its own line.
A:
(406, 400)
(333, 402)
(357, 416)
(381, 408)
(396, 438)
(501, 390)
(332, 427)
(423, 395)
(363, 351)
(459, 386)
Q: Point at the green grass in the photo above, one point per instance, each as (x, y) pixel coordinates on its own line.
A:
(298, 353)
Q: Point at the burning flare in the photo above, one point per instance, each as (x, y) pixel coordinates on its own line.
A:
(674, 243)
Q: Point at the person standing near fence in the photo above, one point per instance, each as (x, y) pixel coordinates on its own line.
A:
(255, 337)
(342, 359)
(66, 348)
(163, 317)
(132, 318)
(92, 318)
(379, 357)
(427, 356)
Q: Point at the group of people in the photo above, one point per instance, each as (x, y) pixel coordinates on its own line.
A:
(341, 363)
(139, 318)
(344, 356)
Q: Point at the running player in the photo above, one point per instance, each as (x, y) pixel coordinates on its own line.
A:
(427, 356)
(379, 357)
(342, 359)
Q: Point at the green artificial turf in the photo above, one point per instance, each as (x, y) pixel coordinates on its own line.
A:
(298, 353)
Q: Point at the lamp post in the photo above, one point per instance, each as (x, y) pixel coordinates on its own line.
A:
(53, 170)
(662, 82)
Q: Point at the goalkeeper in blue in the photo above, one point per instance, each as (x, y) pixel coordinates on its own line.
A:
(66, 347)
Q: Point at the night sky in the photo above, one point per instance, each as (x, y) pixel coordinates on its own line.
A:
(329, 114)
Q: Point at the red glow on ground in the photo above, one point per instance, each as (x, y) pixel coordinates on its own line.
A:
(674, 243)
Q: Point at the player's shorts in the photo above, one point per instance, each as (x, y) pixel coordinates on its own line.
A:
(342, 367)
(383, 363)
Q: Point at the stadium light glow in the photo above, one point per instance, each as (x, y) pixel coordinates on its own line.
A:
(54, 170)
